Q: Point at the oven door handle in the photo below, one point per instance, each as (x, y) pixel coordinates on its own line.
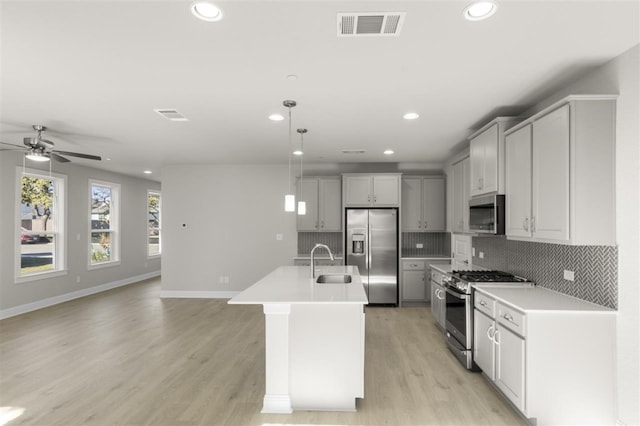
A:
(457, 295)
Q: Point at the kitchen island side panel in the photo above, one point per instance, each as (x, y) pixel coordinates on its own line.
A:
(326, 356)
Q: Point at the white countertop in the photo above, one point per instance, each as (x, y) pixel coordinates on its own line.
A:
(425, 258)
(538, 299)
(324, 257)
(293, 284)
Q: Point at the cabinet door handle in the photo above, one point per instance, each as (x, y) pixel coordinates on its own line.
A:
(425, 224)
(533, 224)
(489, 330)
(316, 225)
(368, 198)
(375, 198)
(418, 224)
(466, 262)
(496, 334)
(322, 224)
(525, 224)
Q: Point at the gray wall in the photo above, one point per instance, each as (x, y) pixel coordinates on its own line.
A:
(232, 215)
(133, 227)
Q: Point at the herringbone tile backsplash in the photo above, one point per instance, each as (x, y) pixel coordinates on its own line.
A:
(595, 267)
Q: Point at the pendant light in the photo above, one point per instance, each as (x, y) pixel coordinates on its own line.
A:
(289, 199)
(302, 206)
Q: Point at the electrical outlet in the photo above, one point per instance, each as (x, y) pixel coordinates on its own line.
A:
(221, 279)
(226, 280)
(569, 275)
(279, 237)
(419, 245)
(481, 255)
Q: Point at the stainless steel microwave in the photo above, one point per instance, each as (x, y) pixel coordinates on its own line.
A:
(486, 214)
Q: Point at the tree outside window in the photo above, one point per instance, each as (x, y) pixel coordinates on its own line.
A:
(40, 223)
(154, 247)
(103, 232)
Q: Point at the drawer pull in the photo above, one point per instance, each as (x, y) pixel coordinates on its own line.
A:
(482, 303)
(508, 317)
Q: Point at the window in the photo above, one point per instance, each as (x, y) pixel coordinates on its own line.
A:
(40, 234)
(154, 244)
(104, 237)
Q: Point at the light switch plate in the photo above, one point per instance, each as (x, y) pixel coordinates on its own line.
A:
(569, 275)
(279, 237)
(419, 245)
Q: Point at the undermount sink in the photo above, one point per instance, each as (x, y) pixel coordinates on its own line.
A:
(334, 279)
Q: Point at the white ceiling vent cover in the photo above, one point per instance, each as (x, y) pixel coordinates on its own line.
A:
(171, 114)
(353, 151)
(357, 24)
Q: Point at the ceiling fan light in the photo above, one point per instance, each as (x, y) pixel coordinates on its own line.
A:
(206, 11)
(36, 156)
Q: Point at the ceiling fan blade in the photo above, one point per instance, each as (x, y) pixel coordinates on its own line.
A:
(11, 144)
(58, 158)
(77, 154)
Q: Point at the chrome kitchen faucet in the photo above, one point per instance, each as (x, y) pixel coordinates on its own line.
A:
(313, 260)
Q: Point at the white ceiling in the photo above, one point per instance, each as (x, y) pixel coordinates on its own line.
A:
(93, 71)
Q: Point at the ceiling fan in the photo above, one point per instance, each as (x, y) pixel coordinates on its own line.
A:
(40, 149)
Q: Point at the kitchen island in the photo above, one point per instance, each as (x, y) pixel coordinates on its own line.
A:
(314, 339)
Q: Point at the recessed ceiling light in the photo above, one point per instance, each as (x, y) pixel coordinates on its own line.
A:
(410, 116)
(480, 10)
(147, 172)
(388, 152)
(276, 117)
(206, 11)
(298, 152)
(292, 77)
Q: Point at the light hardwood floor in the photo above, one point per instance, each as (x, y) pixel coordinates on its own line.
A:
(127, 357)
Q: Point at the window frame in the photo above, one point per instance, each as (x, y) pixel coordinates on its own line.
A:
(114, 225)
(60, 223)
(158, 228)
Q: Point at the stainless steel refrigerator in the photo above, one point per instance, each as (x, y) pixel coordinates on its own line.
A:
(371, 244)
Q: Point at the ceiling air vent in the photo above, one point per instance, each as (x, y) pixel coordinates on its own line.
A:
(353, 151)
(370, 24)
(171, 114)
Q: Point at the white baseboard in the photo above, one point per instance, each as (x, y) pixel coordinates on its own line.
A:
(33, 306)
(181, 294)
(277, 404)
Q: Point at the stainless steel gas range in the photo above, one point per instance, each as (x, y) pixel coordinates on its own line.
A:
(459, 307)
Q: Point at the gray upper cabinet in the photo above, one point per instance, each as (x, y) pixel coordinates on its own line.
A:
(560, 180)
(486, 161)
(461, 196)
(324, 204)
(371, 190)
(423, 203)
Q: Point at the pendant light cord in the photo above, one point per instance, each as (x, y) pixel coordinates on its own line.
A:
(290, 149)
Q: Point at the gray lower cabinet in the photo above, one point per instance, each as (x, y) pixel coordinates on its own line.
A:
(415, 287)
(438, 299)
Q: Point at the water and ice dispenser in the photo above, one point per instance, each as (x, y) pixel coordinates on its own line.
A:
(357, 243)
